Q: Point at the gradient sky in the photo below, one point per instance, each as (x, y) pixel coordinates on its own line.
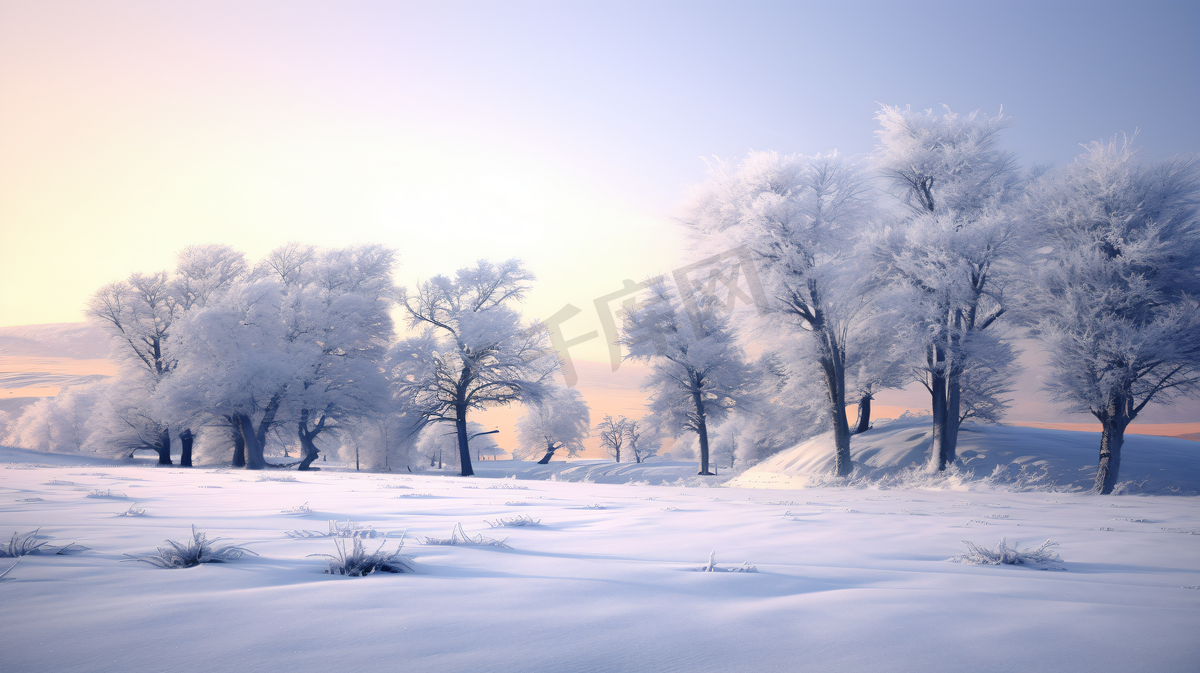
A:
(560, 132)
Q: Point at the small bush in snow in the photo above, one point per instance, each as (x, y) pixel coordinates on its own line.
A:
(458, 537)
(360, 563)
(593, 506)
(192, 553)
(133, 510)
(21, 545)
(712, 567)
(1042, 556)
(283, 477)
(97, 493)
(349, 529)
(513, 521)
(298, 509)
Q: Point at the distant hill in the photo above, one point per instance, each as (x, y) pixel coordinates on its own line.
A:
(61, 339)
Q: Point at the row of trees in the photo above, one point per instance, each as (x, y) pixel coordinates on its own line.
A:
(1100, 260)
(927, 279)
(301, 347)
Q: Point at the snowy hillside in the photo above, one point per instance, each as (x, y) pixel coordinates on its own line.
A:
(1025, 457)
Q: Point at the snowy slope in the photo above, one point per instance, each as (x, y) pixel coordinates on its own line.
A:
(1062, 459)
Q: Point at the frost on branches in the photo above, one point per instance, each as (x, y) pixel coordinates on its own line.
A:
(803, 219)
(472, 350)
(559, 420)
(948, 255)
(1116, 291)
(698, 371)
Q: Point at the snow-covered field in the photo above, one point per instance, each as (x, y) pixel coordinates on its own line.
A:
(847, 579)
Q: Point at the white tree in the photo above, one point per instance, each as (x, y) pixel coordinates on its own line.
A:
(612, 435)
(139, 315)
(235, 368)
(698, 372)
(202, 271)
(561, 420)
(1116, 293)
(949, 251)
(339, 327)
(472, 351)
(61, 423)
(803, 219)
(642, 438)
(299, 341)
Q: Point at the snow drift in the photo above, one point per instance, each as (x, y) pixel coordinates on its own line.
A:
(894, 455)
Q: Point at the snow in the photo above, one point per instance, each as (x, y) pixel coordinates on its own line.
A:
(849, 579)
(1052, 459)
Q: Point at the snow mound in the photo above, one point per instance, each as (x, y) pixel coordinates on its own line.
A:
(998, 457)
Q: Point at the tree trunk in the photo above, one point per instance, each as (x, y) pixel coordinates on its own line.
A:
(308, 447)
(164, 448)
(550, 449)
(239, 447)
(953, 412)
(835, 390)
(254, 446)
(185, 450)
(864, 414)
(937, 388)
(464, 446)
(701, 428)
(1112, 438)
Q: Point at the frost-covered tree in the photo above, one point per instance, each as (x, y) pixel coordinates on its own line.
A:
(472, 350)
(803, 218)
(698, 372)
(202, 271)
(301, 342)
(235, 368)
(137, 314)
(1116, 292)
(612, 435)
(60, 424)
(339, 329)
(560, 420)
(642, 438)
(950, 249)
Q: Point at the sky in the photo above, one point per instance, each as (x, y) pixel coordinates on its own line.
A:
(563, 133)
